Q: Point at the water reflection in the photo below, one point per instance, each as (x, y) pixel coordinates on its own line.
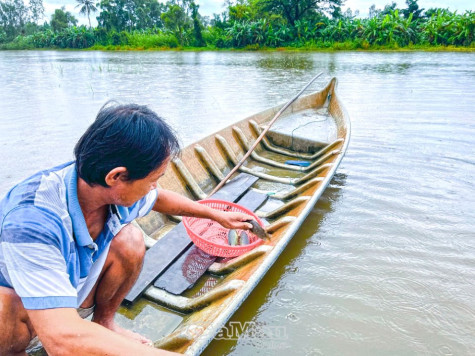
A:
(399, 68)
(288, 61)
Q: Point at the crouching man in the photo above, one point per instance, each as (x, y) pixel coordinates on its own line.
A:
(67, 248)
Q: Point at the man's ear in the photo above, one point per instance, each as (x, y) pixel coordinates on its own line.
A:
(116, 175)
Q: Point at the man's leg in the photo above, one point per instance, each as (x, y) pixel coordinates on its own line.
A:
(121, 270)
(16, 330)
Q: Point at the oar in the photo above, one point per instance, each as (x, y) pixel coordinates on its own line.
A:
(225, 179)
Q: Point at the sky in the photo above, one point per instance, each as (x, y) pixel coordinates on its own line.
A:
(208, 7)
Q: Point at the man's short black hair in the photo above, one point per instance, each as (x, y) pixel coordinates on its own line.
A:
(131, 136)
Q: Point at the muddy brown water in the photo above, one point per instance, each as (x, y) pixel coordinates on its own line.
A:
(385, 263)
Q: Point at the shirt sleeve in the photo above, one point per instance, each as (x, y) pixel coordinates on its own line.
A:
(31, 241)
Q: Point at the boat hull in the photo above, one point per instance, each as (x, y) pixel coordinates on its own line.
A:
(203, 164)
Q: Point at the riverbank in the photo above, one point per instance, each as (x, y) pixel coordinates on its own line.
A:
(334, 48)
(339, 46)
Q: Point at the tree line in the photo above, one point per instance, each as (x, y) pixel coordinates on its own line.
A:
(250, 24)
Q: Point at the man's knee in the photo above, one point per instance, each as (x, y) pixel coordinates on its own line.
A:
(129, 245)
(17, 330)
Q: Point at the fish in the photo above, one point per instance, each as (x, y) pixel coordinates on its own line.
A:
(243, 238)
(233, 238)
(258, 230)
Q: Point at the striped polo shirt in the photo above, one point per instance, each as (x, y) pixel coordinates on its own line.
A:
(46, 251)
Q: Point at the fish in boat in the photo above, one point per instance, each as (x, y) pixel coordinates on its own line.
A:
(233, 238)
(184, 296)
(243, 238)
(258, 230)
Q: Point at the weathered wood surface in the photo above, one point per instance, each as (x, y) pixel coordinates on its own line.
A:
(185, 271)
(158, 258)
(252, 200)
(236, 188)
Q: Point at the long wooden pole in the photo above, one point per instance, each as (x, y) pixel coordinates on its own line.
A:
(225, 179)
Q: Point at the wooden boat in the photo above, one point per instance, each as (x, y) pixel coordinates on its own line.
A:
(183, 296)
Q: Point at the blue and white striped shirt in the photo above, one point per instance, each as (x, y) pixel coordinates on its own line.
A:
(46, 251)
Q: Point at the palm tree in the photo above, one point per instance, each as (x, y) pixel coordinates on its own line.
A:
(87, 8)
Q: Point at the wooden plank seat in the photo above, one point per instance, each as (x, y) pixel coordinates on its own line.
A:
(171, 246)
(185, 271)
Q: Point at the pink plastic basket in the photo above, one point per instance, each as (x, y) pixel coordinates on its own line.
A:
(212, 238)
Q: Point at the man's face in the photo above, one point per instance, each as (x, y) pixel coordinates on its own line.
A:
(128, 192)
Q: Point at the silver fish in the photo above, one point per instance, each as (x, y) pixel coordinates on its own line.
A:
(243, 238)
(258, 230)
(233, 238)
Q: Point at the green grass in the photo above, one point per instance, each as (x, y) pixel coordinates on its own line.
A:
(167, 42)
(335, 48)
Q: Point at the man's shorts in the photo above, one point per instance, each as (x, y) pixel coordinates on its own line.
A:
(84, 288)
(86, 284)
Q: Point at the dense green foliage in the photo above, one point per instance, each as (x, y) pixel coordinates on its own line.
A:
(16, 18)
(62, 20)
(129, 15)
(248, 24)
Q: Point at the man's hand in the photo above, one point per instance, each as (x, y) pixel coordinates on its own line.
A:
(233, 220)
(63, 332)
(169, 202)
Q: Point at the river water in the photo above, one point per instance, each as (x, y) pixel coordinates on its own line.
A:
(385, 263)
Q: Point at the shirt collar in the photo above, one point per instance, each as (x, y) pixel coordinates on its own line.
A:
(81, 233)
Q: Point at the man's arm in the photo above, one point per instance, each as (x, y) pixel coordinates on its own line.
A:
(171, 203)
(63, 332)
